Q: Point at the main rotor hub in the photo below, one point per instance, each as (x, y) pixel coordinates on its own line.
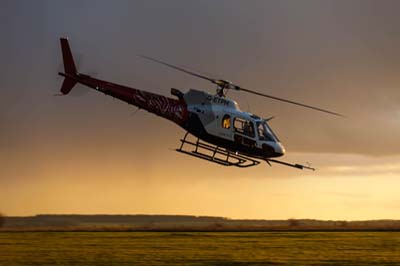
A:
(223, 85)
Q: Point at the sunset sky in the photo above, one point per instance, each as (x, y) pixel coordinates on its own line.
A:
(86, 153)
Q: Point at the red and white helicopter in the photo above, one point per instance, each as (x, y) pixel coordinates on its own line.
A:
(223, 133)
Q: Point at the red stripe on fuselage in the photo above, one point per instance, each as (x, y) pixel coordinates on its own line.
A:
(171, 109)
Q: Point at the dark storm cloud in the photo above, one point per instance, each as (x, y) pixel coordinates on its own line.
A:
(340, 55)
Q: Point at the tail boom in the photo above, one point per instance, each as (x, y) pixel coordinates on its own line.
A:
(171, 109)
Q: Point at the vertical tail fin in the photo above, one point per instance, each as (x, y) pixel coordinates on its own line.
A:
(69, 64)
(69, 67)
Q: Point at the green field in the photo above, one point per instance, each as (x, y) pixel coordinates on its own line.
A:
(148, 248)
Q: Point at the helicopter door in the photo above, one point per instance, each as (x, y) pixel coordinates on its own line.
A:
(226, 127)
(244, 132)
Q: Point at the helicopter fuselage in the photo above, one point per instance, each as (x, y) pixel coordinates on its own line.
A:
(211, 118)
(218, 120)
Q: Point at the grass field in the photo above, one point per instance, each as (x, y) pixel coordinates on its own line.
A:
(148, 248)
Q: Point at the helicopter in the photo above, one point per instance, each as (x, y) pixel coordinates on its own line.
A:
(223, 134)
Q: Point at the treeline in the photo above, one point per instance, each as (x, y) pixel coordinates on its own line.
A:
(1, 220)
(185, 223)
(109, 220)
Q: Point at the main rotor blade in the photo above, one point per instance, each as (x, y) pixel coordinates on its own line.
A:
(178, 68)
(227, 85)
(289, 101)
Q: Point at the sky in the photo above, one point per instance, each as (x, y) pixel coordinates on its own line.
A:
(86, 153)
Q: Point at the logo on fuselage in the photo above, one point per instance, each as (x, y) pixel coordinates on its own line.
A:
(217, 100)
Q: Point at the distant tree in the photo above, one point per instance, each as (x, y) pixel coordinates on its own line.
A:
(293, 222)
(343, 223)
(1, 220)
(218, 225)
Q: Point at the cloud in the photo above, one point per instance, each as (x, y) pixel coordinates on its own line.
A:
(351, 195)
(366, 169)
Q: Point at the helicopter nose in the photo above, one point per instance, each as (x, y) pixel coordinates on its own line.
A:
(279, 149)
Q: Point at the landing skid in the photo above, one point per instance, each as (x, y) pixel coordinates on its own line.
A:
(215, 154)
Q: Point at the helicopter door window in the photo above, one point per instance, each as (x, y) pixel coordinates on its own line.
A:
(244, 127)
(226, 121)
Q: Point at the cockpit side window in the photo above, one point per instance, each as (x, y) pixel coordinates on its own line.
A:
(244, 127)
(226, 121)
(265, 132)
(271, 131)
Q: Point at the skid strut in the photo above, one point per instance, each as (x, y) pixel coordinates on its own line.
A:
(215, 154)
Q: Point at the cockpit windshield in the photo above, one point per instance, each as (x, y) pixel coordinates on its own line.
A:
(265, 132)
